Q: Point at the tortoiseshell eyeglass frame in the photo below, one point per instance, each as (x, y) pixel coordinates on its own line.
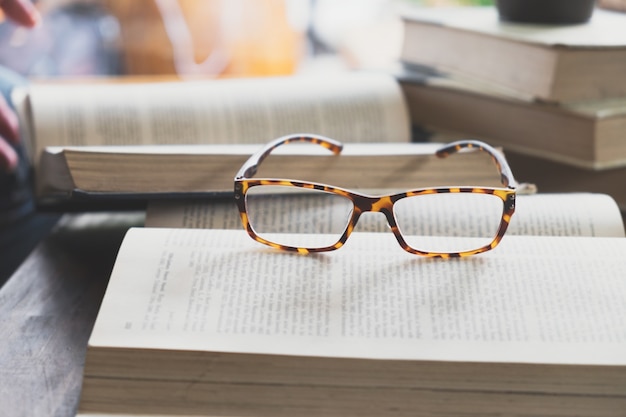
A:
(384, 204)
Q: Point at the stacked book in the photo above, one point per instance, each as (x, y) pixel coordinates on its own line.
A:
(554, 97)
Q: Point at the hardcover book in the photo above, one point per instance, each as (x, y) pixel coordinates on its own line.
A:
(552, 63)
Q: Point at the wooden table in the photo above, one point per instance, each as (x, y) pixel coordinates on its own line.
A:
(47, 310)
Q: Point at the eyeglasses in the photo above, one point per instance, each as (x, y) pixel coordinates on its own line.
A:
(310, 217)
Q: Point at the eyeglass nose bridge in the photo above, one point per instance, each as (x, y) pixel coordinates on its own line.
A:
(384, 205)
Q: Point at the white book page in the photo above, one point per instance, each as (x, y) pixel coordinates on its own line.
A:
(576, 214)
(567, 214)
(350, 108)
(308, 149)
(531, 299)
(604, 29)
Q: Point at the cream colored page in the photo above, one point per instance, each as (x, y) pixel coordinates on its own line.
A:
(215, 214)
(350, 108)
(89, 414)
(567, 214)
(531, 299)
(576, 214)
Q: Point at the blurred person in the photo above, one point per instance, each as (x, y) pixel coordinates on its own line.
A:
(20, 228)
(24, 13)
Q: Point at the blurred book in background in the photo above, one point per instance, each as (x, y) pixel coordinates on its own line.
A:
(549, 62)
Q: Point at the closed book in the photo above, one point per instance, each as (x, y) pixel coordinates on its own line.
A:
(553, 63)
(587, 135)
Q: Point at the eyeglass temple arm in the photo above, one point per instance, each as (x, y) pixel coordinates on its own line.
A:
(506, 175)
(250, 167)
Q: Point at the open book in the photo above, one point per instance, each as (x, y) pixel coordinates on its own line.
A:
(110, 117)
(209, 322)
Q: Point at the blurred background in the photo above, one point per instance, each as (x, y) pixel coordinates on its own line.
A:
(206, 38)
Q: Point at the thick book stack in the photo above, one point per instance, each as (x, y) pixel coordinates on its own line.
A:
(552, 96)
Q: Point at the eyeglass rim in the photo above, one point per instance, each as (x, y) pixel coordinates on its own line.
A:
(243, 180)
(506, 195)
